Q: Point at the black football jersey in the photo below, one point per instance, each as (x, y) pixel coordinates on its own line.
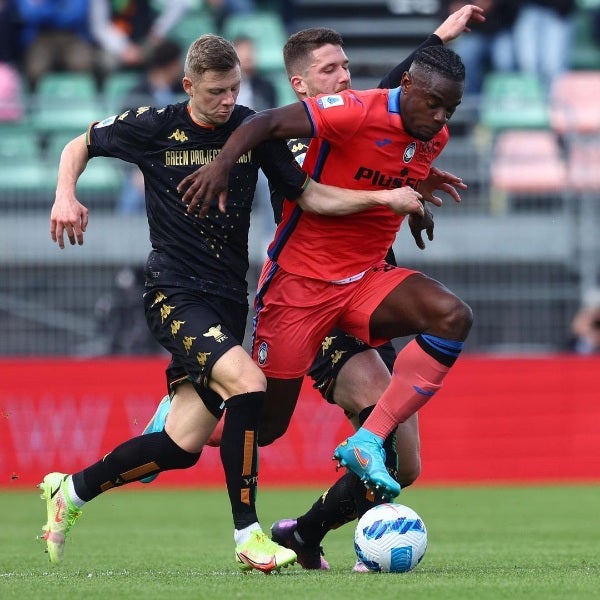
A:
(209, 254)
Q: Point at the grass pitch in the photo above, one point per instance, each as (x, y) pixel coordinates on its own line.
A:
(493, 542)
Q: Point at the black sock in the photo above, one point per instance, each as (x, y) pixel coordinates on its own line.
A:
(346, 500)
(334, 508)
(239, 455)
(130, 461)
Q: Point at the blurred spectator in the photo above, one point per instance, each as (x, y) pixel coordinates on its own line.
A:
(11, 100)
(10, 45)
(55, 36)
(224, 8)
(259, 93)
(585, 327)
(126, 30)
(489, 46)
(543, 34)
(158, 86)
(256, 91)
(287, 12)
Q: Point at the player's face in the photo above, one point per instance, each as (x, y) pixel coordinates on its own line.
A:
(328, 72)
(213, 95)
(427, 103)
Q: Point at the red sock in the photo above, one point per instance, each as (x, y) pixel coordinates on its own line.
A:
(414, 370)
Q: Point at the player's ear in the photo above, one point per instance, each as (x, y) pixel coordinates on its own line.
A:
(299, 85)
(406, 81)
(187, 85)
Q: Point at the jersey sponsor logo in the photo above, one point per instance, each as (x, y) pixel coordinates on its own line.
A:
(105, 122)
(216, 333)
(184, 158)
(263, 353)
(379, 179)
(178, 136)
(409, 152)
(329, 101)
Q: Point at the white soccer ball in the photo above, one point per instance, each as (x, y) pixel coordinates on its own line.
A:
(390, 538)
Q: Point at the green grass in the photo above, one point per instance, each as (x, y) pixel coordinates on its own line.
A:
(496, 542)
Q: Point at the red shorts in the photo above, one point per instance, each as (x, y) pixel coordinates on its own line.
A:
(294, 314)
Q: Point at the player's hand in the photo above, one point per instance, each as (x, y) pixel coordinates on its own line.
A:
(442, 181)
(404, 201)
(203, 185)
(70, 216)
(458, 22)
(420, 223)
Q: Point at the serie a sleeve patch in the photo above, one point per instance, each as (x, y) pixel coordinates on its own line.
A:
(330, 101)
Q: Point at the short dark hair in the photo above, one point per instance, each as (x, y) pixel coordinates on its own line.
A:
(440, 59)
(210, 52)
(300, 44)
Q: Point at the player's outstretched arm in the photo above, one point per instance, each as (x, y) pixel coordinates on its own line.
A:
(333, 201)
(68, 214)
(211, 180)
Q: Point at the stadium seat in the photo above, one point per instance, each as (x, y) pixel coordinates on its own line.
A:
(574, 108)
(66, 101)
(268, 33)
(191, 27)
(18, 143)
(526, 163)
(513, 101)
(116, 87)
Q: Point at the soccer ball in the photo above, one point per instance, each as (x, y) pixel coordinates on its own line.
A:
(391, 538)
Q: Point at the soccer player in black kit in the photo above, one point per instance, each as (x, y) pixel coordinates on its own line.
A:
(196, 292)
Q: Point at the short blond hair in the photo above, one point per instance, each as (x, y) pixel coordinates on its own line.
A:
(210, 52)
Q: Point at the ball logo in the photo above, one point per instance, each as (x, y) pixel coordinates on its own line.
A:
(409, 152)
(263, 352)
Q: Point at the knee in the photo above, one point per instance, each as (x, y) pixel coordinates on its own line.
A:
(457, 318)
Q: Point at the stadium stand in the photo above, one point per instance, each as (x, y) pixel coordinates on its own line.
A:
(519, 265)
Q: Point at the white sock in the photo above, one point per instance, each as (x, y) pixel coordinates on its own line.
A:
(241, 536)
(75, 499)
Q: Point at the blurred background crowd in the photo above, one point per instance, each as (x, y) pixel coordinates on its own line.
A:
(522, 248)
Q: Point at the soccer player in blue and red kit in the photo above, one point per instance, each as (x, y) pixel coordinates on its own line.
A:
(324, 272)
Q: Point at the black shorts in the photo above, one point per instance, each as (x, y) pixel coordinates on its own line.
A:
(197, 329)
(336, 349)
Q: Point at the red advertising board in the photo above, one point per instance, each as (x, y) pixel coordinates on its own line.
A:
(495, 420)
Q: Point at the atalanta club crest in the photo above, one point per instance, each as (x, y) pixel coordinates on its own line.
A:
(262, 353)
(409, 152)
